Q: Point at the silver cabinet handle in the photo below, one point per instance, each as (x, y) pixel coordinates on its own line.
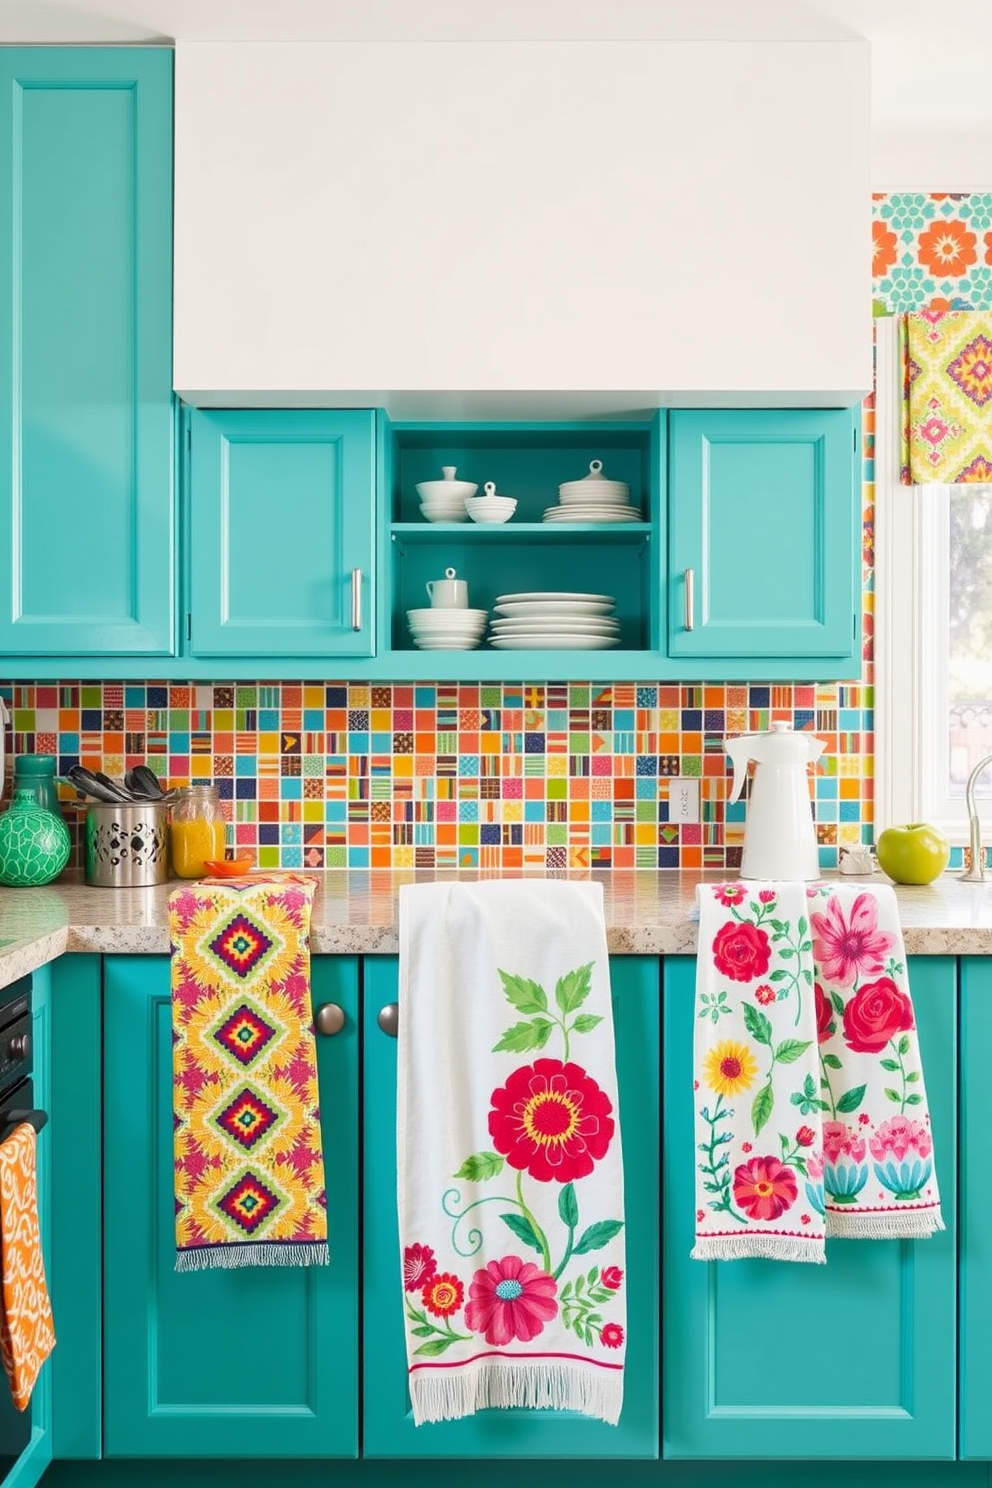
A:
(689, 600)
(356, 599)
(329, 1019)
(389, 1019)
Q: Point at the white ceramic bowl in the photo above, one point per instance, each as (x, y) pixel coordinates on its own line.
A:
(491, 508)
(456, 489)
(436, 511)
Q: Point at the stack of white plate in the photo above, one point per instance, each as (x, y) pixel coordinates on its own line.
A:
(567, 622)
(444, 500)
(593, 499)
(447, 630)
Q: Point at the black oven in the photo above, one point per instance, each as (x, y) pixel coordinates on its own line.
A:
(16, 1105)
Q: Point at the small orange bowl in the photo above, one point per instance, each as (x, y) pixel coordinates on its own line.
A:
(227, 867)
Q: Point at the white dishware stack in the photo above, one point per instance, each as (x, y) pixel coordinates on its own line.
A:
(444, 500)
(559, 621)
(594, 498)
(490, 507)
(447, 630)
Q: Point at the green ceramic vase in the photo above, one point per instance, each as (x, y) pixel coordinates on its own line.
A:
(34, 843)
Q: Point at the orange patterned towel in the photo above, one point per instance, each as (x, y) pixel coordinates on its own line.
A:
(249, 1171)
(26, 1333)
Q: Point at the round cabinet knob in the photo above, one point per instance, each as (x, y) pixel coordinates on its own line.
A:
(329, 1019)
(389, 1018)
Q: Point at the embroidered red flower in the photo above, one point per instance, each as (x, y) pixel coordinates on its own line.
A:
(825, 1025)
(552, 1119)
(805, 1136)
(766, 896)
(730, 894)
(746, 1147)
(804, 1219)
(419, 1265)
(511, 1298)
(846, 949)
(700, 1216)
(443, 1294)
(741, 951)
(764, 994)
(611, 1277)
(764, 1188)
(876, 1013)
(612, 1335)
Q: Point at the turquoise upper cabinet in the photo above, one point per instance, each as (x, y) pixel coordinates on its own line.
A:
(86, 418)
(281, 532)
(854, 1359)
(389, 1429)
(976, 1210)
(253, 1362)
(763, 557)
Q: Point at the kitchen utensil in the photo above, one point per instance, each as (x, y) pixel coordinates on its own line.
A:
(96, 784)
(145, 785)
(449, 593)
(447, 489)
(127, 845)
(779, 836)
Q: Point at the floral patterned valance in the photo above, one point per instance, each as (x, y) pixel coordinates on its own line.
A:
(947, 397)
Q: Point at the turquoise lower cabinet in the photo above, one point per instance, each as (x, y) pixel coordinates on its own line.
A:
(281, 526)
(253, 1362)
(389, 1430)
(853, 1359)
(975, 1306)
(87, 511)
(763, 540)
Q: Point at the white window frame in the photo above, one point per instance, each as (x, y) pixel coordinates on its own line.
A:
(911, 608)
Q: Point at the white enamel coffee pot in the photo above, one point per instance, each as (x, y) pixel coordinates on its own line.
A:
(779, 835)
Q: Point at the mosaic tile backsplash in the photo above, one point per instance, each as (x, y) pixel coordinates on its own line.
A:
(338, 775)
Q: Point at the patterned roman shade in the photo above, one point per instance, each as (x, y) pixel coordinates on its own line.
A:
(947, 397)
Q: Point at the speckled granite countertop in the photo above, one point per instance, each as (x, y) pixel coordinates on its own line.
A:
(647, 913)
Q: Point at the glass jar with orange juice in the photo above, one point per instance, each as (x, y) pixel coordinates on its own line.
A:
(197, 833)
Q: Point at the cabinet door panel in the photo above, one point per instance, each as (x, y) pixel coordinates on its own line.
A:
(389, 1429)
(771, 1359)
(281, 515)
(258, 1361)
(976, 1210)
(762, 510)
(86, 421)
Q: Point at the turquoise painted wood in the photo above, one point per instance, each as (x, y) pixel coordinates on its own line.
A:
(76, 1281)
(86, 420)
(254, 1362)
(389, 1431)
(975, 1302)
(31, 1464)
(854, 1359)
(764, 509)
(281, 518)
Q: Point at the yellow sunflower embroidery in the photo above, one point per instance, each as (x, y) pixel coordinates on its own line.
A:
(729, 1068)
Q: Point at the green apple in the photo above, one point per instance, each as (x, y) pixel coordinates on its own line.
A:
(916, 854)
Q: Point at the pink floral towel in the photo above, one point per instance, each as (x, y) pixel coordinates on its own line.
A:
(811, 1111)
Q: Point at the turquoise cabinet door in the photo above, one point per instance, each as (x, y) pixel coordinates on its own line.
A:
(763, 514)
(86, 408)
(282, 523)
(254, 1362)
(854, 1359)
(389, 1430)
(976, 1210)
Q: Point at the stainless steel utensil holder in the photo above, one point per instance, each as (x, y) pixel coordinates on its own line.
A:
(127, 845)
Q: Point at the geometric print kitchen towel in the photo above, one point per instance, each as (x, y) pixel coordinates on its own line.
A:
(811, 1115)
(249, 1172)
(947, 397)
(26, 1334)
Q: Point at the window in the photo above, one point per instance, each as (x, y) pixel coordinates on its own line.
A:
(933, 631)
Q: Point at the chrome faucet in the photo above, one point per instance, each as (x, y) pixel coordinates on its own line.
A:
(976, 873)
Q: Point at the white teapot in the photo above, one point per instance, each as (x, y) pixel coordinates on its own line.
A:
(779, 835)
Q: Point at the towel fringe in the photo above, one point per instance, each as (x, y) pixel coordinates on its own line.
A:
(230, 1257)
(500, 1385)
(907, 1224)
(760, 1247)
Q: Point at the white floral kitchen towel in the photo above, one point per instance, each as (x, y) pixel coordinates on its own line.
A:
(811, 1114)
(510, 1182)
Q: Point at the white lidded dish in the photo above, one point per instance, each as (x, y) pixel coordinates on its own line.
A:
(447, 489)
(594, 487)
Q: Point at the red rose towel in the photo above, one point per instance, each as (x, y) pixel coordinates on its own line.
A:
(510, 1184)
(811, 1110)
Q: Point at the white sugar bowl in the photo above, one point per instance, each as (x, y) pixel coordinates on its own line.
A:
(447, 490)
(490, 507)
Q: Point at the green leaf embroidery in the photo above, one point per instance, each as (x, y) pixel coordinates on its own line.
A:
(831, 1061)
(568, 1206)
(889, 1064)
(838, 1002)
(758, 1026)
(761, 1107)
(573, 988)
(523, 1230)
(903, 1045)
(480, 1166)
(802, 927)
(586, 1022)
(435, 1347)
(524, 1036)
(789, 1050)
(914, 1100)
(426, 1331)
(851, 1099)
(526, 996)
(595, 1237)
(892, 1095)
